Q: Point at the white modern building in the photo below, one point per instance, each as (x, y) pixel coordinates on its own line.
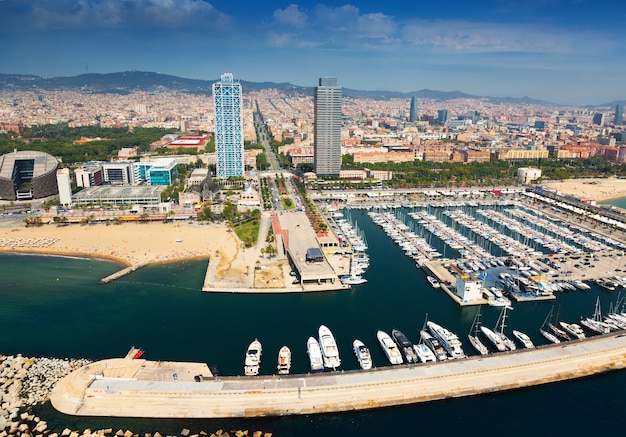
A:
(65, 186)
(528, 175)
(228, 127)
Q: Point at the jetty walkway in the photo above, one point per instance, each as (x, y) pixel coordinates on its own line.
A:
(140, 388)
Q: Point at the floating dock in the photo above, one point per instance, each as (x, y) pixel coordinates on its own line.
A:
(139, 388)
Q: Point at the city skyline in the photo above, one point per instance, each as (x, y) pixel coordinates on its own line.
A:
(561, 51)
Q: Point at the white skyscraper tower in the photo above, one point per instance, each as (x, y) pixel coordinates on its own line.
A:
(228, 127)
(65, 186)
(327, 127)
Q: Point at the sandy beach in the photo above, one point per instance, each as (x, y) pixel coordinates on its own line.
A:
(597, 189)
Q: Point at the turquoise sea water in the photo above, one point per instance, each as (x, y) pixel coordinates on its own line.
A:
(53, 306)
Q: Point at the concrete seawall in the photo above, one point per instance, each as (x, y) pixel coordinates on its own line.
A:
(140, 388)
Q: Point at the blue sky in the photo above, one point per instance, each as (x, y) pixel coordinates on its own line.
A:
(564, 51)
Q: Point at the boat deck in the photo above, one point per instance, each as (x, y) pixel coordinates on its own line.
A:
(139, 388)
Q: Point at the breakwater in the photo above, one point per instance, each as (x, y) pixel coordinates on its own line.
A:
(141, 388)
(27, 382)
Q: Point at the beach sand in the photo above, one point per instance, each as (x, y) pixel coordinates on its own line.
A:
(597, 189)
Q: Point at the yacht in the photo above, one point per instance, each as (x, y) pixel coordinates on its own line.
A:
(606, 283)
(330, 353)
(315, 355)
(389, 347)
(406, 347)
(284, 360)
(580, 284)
(449, 340)
(362, 354)
(595, 323)
(524, 339)
(573, 329)
(352, 279)
(253, 358)
(562, 335)
(424, 354)
(433, 281)
(434, 345)
(493, 338)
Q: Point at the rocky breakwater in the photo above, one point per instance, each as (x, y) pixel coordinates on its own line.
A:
(24, 383)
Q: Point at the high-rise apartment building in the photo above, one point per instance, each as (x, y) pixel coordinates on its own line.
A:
(619, 115)
(413, 116)
(598, 118)
(327, 127)
(228, 127)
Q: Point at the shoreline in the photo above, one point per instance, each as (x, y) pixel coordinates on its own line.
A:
(595, 189)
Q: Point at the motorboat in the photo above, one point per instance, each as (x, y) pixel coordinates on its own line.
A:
(561, 334)
(434, 282)
(284, 360)
(405, 345)
(449, 340)
(606, 284)
(524, 339)
(434, 345)
(352, 279)
(424, 354)
(362, 354)
(330, 353)
(389, 348)
(253, 358)
(580, 284)
(573, 329)
(315, 355)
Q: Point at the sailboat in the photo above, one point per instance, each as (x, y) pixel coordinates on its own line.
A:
(473, 335)
(562, 335)
(508, 343)
(595, 323)
(548, 335)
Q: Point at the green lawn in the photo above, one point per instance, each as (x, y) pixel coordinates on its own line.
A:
(248, 232)
(287, 203)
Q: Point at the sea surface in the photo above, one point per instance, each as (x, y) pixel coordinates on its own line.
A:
(54, 307)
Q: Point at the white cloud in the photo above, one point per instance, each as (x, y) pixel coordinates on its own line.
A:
(291, 16)
(90, 14)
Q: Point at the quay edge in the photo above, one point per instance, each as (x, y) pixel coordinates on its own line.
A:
(124, 387)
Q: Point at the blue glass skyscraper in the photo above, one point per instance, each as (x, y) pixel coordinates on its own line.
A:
(619, 114)
(413, 115)
(228, 127)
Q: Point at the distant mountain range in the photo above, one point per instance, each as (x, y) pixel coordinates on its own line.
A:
(130, 81)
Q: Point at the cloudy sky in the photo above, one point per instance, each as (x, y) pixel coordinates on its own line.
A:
(564, 51)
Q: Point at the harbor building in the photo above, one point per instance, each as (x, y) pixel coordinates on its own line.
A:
(327, 127)
(65, 186)
(228, 127)
(162, 171)
(27, 175)
(413, 115)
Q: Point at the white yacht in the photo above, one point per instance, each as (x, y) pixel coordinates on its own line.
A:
(573, 329)
(434, 345)
(315, 355)
(284, 360)
(424, 354)
(493, 338)
(449, 340)
(253, 358)
(389, 347)
(362, 354)
(580, 284)
(524, 339)
(549, 336)
(433, 281)
(330, 353)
